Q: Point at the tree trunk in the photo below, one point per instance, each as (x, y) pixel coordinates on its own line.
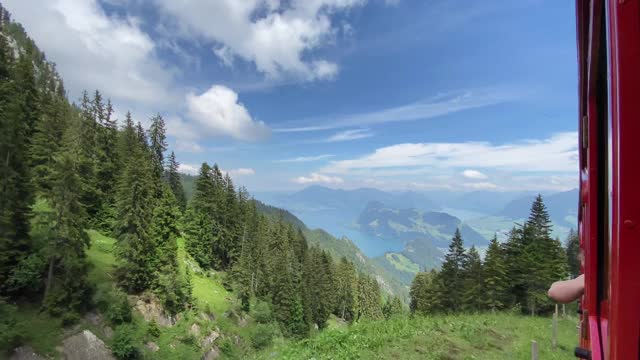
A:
(49, 278)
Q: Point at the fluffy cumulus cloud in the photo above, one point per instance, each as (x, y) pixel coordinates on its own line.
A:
(317, 178)
(559, 153)
(277, 36)
(115, 55)
(474, 174)
(216, 112)
(190, 169)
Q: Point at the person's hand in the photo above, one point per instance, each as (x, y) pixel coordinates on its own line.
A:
(567, 291)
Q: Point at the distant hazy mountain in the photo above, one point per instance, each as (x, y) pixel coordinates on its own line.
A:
(322, 197)
(562, 207)
(405, 225)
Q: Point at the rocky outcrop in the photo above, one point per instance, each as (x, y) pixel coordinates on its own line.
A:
(151, 309)
(25, 353)
(153, 347)
(194, 330)
(212, 354)
(85, 345)
(208, 341)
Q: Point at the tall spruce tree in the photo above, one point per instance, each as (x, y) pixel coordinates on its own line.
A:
(158, 145)
(473, 273)
(67, 284)
(346, 290)
(573, 253)
(173, 179)
(452, 274)
(18, 114)
(199, 228)
(495, 277)
(134, 201)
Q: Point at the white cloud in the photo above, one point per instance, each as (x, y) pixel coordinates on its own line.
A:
(559, 153)
(305, 158)
(480, 186)
(474, 174)
(94, 50)
(188, 146)
(240, 172)
(216, 112)
(439, 105)
(276, 36)
(318, 178)
(349, 135)
(190, 169)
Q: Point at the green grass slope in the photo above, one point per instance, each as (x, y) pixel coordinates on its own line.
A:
(484, 336)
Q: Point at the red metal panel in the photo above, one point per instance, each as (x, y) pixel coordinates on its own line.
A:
(624, 310)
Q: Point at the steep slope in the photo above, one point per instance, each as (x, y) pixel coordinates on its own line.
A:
(339, 248)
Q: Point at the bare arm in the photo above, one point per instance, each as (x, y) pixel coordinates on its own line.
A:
(567, 291)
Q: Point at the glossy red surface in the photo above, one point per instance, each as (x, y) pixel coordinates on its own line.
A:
(612, 314)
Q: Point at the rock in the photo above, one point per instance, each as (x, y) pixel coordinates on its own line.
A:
(25, 353)
(212, 354)
(195, 330)
(151, 309)
(108, 332)
(153, 347)
(206, 342)
(93, 318)
(207, 317)
(242, 321)
(85, 345)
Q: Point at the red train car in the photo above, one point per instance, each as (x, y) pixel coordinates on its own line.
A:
(608, 34)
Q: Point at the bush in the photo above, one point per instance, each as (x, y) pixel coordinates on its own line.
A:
(124, 343)
(70, 318)
(229, 349)
(119, 310)
(153, 329)
(262, 336)
(11, 332)
(262, 312)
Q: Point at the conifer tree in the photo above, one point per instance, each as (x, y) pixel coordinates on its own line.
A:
(67, 285)
(346, 290)
(164, 230)
(173, 179)
(473, 281)
(158, 145)
(452, 274)
(107, 166)
(88, 158)
(495, 277)
(392, 307)
(134, 207)
(18, 113)
(199, 229)
(573, 253)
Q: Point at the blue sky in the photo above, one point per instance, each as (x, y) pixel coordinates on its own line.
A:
(403, 94)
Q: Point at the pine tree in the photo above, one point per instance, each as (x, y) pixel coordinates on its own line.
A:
(18, 113)
(67, 284)
(107, 165)
(164, 230)
(573, 253)
(134, 207)
(473, 281)
(452, 274)
(88, 158)
(495, 277)
(346, 288)
(173, 179)
(199, 229)
(392, 307)
(158, 145)
(47, 140)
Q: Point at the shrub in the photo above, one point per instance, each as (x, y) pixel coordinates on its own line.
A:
(124, 343)
(70, 318)
(119, 310)
(11, 332)
(262, 336)
(153, 329)
(262, 312)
